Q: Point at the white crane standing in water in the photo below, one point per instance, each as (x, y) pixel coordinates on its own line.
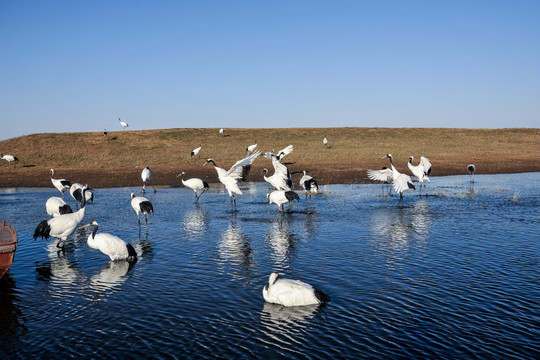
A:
(61, 226)
(280, 197)
(421, 171)
(61, 184)
(400, 182)
(111, 245)
(141, 205)
(230, 178)
(145, 176)
(194, 184)
(288, 292)
(471, 169)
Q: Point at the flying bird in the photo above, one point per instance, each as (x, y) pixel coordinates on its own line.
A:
(61, 226)
(238, 171)
(56, 206)
(141, 205)
(194, 184)
(111, 245)
(400, 182)
(280, 197)
(61, 184)
(124, 124)
(288, 292)
(421, 171)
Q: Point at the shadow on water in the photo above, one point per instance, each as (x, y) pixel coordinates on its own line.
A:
(12, 325)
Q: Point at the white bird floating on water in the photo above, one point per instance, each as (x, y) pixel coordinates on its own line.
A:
(9, 158)
(194, 184)
(196, 151)
(421, 171)
(238, 171)
(292, 292)
(111, 245)
(309, 184)
(471, 169)
(56, 206)
(61, 226)
(400, 182)
(124, 124)
(145, 176)
(61, 184)
(141, 205)
(250, 148)
(280, 197)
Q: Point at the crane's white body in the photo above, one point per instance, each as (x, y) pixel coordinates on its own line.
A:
(54, 204)
(471, 169)
(145, 176)
(325, 141)
(196, 151)
(277, 180)
(237, 172)
(384, 175)
(251, 148)
(221, 131)
(75, 191)
(421, 170)
(280, 197)
(194, 184)
(61, 184)
(110, 245)
(124, 124)
(400, 182)
(136, 202)
(288, 292)
(309, 184)
(9, 158)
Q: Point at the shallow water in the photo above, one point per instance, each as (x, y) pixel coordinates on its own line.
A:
(451, 275)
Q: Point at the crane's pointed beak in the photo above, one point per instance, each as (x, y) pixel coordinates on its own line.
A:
(84, 226)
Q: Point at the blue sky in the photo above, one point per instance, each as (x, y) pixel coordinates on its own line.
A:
(79, 66)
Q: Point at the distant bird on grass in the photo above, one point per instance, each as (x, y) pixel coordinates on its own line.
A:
(9, 158)
(421, 171)
(238, 171)
(61, 184)
(471, 169)
(141, 205)
(111, 245)
(400, 182)
(251, 148)
(194, 184)
(288, 292)
(124, 124)
(105, 133)
(325, 141)
(196, 151)
(280, 197)
(221, 131)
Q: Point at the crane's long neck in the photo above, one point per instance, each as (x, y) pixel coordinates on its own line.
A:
(94, 231)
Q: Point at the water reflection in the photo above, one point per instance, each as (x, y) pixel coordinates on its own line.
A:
(235, 248)
(287, 319)
(281, 239)
(11, 316)
(111, 275)
(311, 224)
(59, 270)
(195, 222)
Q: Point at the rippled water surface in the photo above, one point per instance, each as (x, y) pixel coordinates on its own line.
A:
(452, 275)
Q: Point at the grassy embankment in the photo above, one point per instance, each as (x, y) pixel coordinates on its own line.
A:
(117, 159)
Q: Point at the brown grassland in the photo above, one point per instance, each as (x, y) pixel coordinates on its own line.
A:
(117, 159)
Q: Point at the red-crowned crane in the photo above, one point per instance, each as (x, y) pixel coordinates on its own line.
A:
(280, 197)
(309, 184)
(400, 182)
(194, 184)
(471, 169)
(251, 148)
(421, 171)
(196, 151)
(141, 205)
(123, 124)
(288, 292)
(325, 141)
(56, 206)
(9, 158)
(61, 184)
(145, 176)
(238, 171)
(111, 245)
(61, 226)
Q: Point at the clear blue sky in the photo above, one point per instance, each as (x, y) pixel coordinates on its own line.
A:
(80, 65)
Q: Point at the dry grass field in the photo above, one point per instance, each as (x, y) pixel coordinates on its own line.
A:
(118, 158)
